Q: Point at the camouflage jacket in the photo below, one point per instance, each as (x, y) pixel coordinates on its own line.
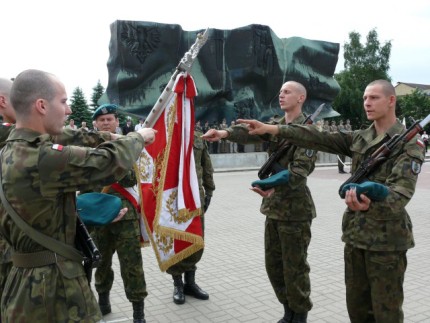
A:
(293, 201)
(386, 226)
(40, 180)
(69, 136)
(5, 250)
(204, 167)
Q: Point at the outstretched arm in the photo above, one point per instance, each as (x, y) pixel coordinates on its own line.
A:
(215, 135)
(256, 127)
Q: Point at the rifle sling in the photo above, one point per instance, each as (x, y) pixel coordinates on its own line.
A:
(49, 243)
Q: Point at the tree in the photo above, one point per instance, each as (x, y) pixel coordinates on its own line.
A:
(98, 91)
(363, 64)
(97, 94)
(415, 105)
(80, 109)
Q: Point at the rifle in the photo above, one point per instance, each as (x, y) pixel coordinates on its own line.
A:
(371, 163)
(271, 166)
(86, 245)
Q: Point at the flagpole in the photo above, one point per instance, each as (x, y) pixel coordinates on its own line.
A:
(185, 65)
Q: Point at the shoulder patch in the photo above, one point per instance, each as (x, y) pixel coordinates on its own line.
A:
(420, 143)
(415, 167)
(57, 147)
(309, 153)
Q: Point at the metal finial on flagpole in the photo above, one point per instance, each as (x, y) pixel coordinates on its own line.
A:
(185, 65)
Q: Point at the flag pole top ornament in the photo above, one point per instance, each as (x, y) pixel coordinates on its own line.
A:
(184, 66)
(190, 56)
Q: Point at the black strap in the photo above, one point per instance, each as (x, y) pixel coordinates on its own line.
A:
(49, 243)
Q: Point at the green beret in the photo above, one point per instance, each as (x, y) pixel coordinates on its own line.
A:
(98, 209)
(374, 191)
(275, 180)
(105, 109)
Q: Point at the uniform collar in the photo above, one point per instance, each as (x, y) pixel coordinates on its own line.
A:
(369, 134)
(27, 135)
(299, 120)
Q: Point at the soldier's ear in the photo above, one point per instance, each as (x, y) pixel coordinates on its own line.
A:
(40, 105)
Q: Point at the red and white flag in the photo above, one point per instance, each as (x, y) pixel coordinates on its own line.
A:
(170, 200)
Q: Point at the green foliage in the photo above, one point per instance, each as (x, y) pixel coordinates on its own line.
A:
(363, 64)
(415, 105)
(96, 95)
(80, 109)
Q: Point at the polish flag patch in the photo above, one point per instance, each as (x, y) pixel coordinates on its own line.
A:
(420, 143)
(57, 147)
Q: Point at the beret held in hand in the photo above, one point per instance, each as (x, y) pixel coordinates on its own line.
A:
(374, 191)
(98, 209)
(277, 179)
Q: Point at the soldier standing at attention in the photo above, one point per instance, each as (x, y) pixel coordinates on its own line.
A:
(122, 236)
(187, 266)
(287, 229)
(377, 233)
(40, 180)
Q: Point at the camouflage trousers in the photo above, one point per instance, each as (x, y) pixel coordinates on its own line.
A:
(374, 285)
(4, 272)
(189, 263)
(122, 237)
(286, 251)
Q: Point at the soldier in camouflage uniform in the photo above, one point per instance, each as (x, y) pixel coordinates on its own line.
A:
(8, 114)
(122, 237)
(187, 266)
(377, 234)
(289, 209)
(40, 180)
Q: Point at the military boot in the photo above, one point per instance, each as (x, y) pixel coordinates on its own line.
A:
(178, 290)
(300, 317)
(288, 314)
(104, 303)
(191, 288)
(138, 315)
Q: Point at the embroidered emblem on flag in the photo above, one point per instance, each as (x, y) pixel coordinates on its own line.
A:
(170, 192)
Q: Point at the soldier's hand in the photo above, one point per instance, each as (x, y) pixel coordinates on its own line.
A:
(215, 135)
(267, 193)
(207, 202)
(256, 127)
(120, 215)
(148, 135)
(353, 203)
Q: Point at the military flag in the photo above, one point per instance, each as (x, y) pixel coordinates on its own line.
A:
(170, 200)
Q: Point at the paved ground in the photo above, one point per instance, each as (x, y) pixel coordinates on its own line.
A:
(232, 268)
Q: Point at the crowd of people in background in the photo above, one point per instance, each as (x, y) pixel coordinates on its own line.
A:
(226, 146)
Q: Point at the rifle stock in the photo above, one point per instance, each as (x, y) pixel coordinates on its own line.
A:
(271, 166)
(86, 245)
(371, 163)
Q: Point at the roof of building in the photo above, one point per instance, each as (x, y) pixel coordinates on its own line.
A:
(423, 87)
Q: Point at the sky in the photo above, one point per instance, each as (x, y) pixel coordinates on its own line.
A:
(71, 38)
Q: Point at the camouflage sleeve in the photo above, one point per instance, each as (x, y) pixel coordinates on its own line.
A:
(301, 167)
(73, 168)
(81, 137)
(208, 171)
(308, 136)
(240, 135)
(402, 178)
